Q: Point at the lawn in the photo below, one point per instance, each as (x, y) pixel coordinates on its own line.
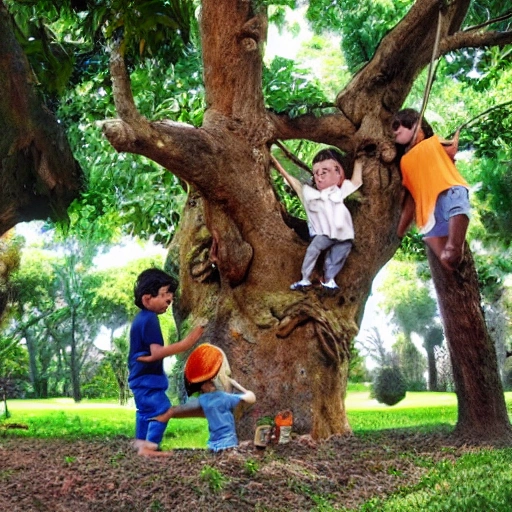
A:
(61, 417)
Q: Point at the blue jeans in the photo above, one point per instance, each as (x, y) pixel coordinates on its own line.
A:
(453, 201)
(150, 403)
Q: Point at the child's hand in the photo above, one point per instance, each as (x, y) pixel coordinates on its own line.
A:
(201, 322)
(165, 417)
(145, 359)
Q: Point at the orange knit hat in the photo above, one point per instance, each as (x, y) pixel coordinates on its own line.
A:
(203, 363)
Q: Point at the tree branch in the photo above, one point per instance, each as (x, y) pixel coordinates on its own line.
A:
(297, 161)
(503, 17)
(121, 87)
(333, 129)
(474, 39)
(398, 60)
(232, 56)
(481, 114)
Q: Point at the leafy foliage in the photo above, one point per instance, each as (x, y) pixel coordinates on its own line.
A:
(56, 35)
(288, 88)
(411, 363)
(362, 23)
(408, 299)
(147, 199)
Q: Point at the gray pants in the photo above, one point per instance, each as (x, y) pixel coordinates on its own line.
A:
(335, 257)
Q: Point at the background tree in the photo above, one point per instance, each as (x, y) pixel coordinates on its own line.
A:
(13, 371)
(57, 287)
(411, 308)
(34, 299)
(411, 363)
(116, 358)
(433, 339)
(374, 346)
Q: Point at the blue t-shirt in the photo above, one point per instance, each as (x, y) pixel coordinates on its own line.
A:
(145, 330)
(218, 408)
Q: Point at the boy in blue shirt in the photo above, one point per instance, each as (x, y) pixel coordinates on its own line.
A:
(153, 292)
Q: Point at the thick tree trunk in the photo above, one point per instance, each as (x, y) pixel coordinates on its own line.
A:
(482, 412)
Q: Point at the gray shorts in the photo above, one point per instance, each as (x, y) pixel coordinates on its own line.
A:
(453, 201)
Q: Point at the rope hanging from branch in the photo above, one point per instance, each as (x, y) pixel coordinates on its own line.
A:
(431, 73)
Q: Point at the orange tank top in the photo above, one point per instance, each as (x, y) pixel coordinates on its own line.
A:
(426, 172)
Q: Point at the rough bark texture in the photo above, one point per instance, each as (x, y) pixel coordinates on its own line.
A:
(39, 178)
(38, 175)
(482, 412)
(238, 255)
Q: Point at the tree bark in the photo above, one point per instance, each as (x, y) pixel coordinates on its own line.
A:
(39, 177)
(236, 255)
(432, 370)
(482, 412)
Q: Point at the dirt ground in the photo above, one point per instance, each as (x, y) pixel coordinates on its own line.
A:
(96, 476)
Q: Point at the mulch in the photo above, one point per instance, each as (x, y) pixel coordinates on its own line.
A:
(94, 476)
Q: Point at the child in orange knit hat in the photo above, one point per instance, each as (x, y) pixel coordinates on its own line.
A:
(207, 371)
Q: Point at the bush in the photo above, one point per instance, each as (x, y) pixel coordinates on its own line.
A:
(389, 386)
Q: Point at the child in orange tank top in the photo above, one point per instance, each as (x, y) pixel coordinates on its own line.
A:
(436, 194)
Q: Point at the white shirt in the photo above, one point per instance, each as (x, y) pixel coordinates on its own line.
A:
(326, 211)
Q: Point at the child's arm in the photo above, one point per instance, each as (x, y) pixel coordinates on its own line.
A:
(293, 182)
(247, 396)
(190, 409)
(406, 215)
(158, 352)
(357, 173)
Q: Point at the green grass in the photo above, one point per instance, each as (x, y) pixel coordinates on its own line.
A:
(62, 418)
(476, 481)
(420, 410)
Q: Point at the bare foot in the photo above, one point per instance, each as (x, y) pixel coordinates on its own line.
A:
(137, 443)
(150, 452)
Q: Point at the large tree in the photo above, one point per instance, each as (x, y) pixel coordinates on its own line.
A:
(237, 251)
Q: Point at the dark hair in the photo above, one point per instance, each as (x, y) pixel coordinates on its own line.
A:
(149, 282)
(193, 388)
(408, 117)
(329, 154)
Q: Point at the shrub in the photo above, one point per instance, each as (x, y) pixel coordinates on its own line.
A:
(389, 386)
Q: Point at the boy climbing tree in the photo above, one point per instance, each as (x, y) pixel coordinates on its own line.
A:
(329, 220)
